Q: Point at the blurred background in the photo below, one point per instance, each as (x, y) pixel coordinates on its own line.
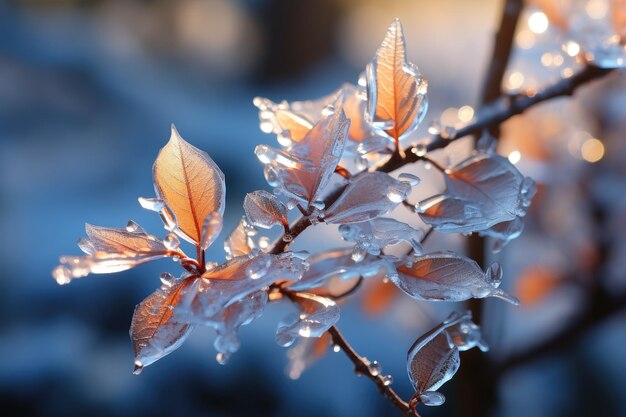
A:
(88, 90)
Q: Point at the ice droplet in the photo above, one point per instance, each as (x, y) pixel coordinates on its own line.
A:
(387, 380)
(410, 179)
(434, 128)
(432, 398)
(375, 368)
(171, 241)
(361, 162)
(132, 227)
(328, 110)
(336, 348)
(62, 275)
(266, 127)
(264, 242)
(395, 196)
(271, 176)
(138, 368)
(419, 150)
(167, 279)
(222, 358)
(152, 204)
(319, 204)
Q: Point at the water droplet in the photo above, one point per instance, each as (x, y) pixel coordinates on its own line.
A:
(167, 279)
(152, 204)
(387, 380)
(138, 368)
(171, 241)
(266, 126)
(375, 368)
(395, 196)
(271, 176)
(287, 238)
(176, 258)
(432, 398)
(328, 110)
(284, 138)
(410, 179)
(358, 254)
(248, 228)
(222, 358)
(336, 348)
(361, 162)
(419, 149)
(434, 128)
(132, 227)
(62, 275)
(210, 265)
(319, 204)
(305, 331)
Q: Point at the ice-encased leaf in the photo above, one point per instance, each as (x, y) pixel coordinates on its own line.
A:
(446, 276)
(317, 315)
(154, 330)
(434, 357)
(503, 233)
(306, 352)
(265, 210)
(292, 121)
(110, 250)
(191, 185)
(396, 91)
(481, 191)
(234, 280)
(305, 169)
(367, 196)
(338, 264)
(240, 241)
(374, 235)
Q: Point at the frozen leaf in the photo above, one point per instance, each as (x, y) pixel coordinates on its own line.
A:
(265, 210)
(233, 281)
(292, 121)
(481, 191)
(396, 91)
(446, 276)
(211, 228)
(110, 250)
(191, 185)
(503, 233)
(367, 196)
(338, 264)
(374, 235)
(240, 241)
(154, 330)
(434, 357)
(305, 353)
(304, 170)
(317, 315)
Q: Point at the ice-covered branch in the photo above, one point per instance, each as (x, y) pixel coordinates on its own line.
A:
(362, 366)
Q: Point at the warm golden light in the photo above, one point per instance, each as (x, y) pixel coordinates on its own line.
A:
(538, 22)
(571, 48)
(592, 150)
(516, 79)
(596, 9)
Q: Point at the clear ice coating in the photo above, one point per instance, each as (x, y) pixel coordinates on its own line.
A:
(503, 233)
(304, 353)
(374, 235)
(368, 195)
(109, 250)
(241, 240)
(446, 276)
(292, 121)
(154, 330)
(434, 357)
(338, 264)
(304, 170)
(317, 315)
(264, 210)
(481, 192)
(211, 228)
(234, 280)
(396, 91)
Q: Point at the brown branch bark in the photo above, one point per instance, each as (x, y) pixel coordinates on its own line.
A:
(361, 368)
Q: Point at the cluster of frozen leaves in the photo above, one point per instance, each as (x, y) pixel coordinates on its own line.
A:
(484, 193)
(595, 27)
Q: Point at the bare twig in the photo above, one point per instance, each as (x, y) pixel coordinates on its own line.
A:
(361, 367)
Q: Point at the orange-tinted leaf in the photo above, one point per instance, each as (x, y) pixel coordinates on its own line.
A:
(154, 331)
(396, 90)
(122, 241)
(265, 210)
(191, 185)
(240, 241)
